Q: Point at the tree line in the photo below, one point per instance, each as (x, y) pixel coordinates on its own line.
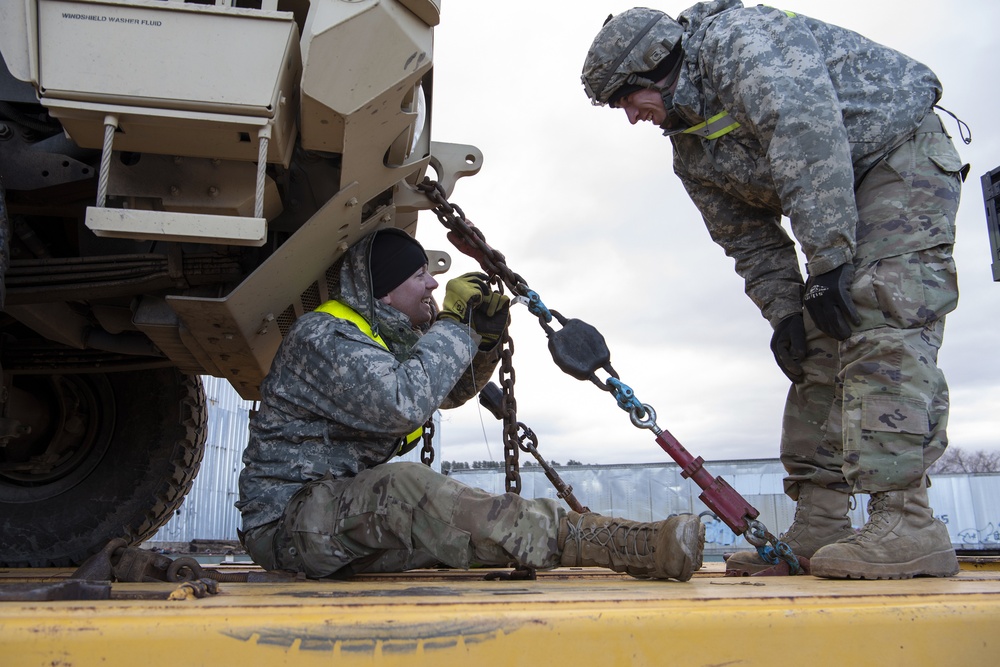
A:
(956, 460)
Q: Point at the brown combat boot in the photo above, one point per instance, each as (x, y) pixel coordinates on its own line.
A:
(820, 519)
(902, 539)
(670, 549)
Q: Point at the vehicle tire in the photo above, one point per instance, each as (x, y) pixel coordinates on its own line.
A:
(108, 455)
(4, 245)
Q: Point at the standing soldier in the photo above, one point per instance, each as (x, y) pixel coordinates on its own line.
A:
(775, 114)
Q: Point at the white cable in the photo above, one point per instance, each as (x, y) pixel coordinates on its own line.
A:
(479, 406)
(110, 125)
(263, 137)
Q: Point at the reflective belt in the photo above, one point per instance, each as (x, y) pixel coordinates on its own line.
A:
(714, 127)
(344, 312)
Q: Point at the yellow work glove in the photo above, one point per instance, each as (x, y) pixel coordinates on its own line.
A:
(462, 295)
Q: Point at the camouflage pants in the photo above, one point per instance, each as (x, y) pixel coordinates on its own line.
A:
(872, 413)
(401, 516)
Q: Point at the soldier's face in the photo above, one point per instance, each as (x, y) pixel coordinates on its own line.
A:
(413, 297)
(644, 104)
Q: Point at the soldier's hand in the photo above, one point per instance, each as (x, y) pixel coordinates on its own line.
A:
(828, 300)
(462, 295)
(788, 343)
(469, 248)
(490, 319)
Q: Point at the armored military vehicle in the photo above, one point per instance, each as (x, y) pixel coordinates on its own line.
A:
(176, 181)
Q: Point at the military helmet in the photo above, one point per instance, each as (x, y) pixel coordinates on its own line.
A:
(632, 44)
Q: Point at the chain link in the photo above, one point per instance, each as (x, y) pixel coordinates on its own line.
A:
(771, 549)
(527, 441)
(427, 453)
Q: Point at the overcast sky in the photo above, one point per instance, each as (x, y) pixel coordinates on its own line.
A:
(587, 209)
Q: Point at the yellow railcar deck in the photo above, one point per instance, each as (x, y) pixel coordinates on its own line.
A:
(564, 617)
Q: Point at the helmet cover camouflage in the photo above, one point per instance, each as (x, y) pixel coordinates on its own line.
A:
(633, 42)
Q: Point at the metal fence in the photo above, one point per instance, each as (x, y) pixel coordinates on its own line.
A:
(209, 511)
(968, 504)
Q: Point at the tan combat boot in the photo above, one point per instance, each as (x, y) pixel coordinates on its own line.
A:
(820, 519)
(902, 539)
(670, 549)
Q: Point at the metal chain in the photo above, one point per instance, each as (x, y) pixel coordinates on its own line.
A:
(511, 451)
(427, 453)
(495, 265)
(452, 217)
(528, 442)
(515, 434)
(641, 414)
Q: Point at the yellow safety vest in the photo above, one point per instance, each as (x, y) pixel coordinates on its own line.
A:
(345, 312)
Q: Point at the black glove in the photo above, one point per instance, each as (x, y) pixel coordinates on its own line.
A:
(828, 299)
(789, 346)
(490, 319)
(462, 295)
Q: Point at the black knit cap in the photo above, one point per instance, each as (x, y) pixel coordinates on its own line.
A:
(395, 257)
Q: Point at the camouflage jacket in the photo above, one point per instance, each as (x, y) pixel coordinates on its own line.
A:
(335, 402)
(818, 106)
